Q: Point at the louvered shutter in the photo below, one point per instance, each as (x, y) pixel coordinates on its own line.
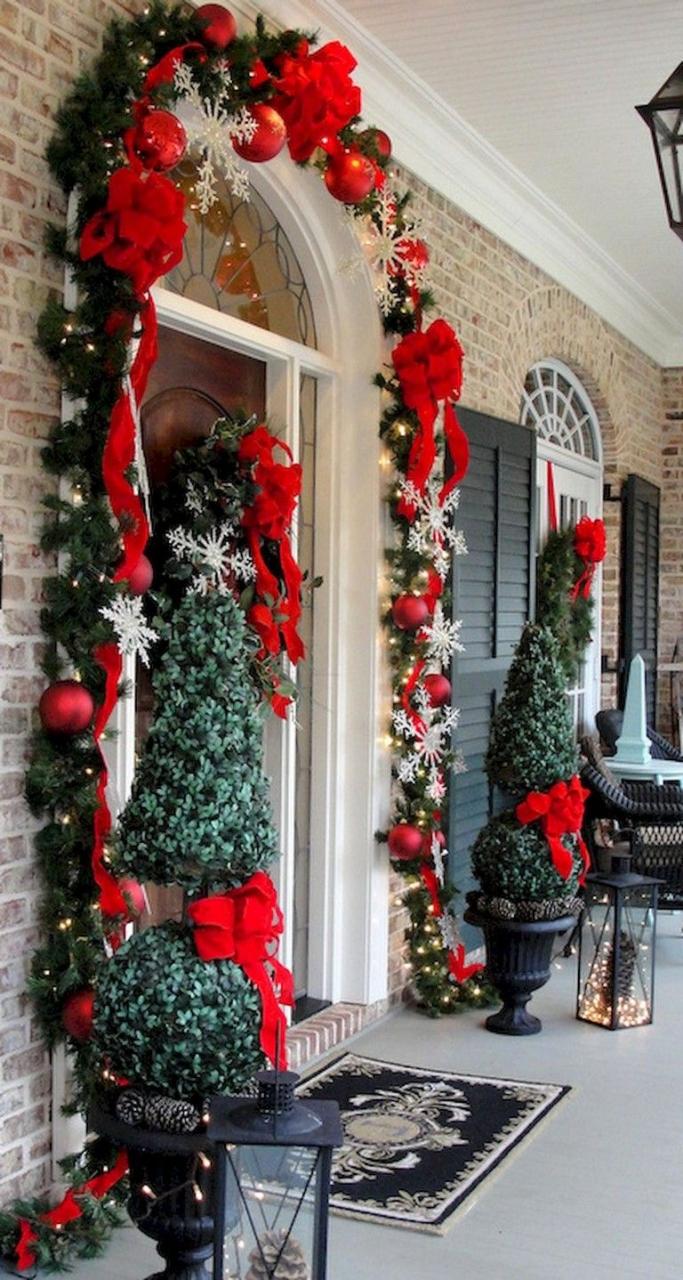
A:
(493, 596)
(639, 583)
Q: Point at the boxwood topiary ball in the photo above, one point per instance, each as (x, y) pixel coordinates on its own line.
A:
(514, 862)
(167, 1020)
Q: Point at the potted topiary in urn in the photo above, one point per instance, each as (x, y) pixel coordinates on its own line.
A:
(191, 1007)
(530, 859)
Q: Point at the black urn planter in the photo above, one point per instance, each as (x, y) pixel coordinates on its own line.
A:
(175, 1216)
(518, 963)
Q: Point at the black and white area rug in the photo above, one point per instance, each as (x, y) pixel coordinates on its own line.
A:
(419, 1142)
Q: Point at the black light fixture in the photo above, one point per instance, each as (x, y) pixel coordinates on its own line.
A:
(664, 118)
(617, 946)
(274, 1163)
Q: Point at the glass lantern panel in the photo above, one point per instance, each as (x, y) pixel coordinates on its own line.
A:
(617, 957)
(270, 1212)
(669, 126)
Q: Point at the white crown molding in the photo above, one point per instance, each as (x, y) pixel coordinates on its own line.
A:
(436, 144)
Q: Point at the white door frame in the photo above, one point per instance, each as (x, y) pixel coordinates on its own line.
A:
(349, 875)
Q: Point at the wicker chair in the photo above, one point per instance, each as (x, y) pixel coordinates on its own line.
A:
(609, 725)
(652, 813)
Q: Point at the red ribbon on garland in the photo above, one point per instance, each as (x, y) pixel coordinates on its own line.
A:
(590, 545)
(559, 811)
(68, 1210)
(456, 958)
(428, 365)
(111, 899)
(245, 925)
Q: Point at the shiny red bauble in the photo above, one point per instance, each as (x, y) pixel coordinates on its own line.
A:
(269, 138)
(350, 176)
(410, 612)
(142, 577)
(220, 27)
(77, 1014)
(438, 688)
(381, 140)
(160, 140)
(66, 707)
(405, 842)
(136, 897)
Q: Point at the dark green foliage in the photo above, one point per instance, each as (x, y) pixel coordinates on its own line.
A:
(557, 569)
(511, 861)
(168, 1020)
(531, 744)
(199, 811)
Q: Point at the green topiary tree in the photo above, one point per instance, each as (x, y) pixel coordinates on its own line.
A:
(531, 743)
(199, 817)
(531, 748)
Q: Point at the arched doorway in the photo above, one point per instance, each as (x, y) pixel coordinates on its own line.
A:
(557, 406)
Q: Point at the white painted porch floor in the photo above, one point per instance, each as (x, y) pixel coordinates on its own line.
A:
(596, 1193)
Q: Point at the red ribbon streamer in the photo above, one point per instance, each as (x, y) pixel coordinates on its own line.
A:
(119, 450)
(552, 500)
(456, 964)
(111, 899)
(68, 1210)
(245, 925)
(559, 811)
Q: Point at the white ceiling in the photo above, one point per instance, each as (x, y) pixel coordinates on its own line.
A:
(551, 85)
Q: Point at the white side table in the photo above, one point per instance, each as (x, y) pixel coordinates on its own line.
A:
(658, 771)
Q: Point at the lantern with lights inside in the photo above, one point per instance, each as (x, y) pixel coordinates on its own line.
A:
(663, 115)
(273, 1170)
(617, 947)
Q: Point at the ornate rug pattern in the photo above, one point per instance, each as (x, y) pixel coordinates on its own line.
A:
(418, 1142)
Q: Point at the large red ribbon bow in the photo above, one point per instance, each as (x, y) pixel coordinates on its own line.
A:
(559, 812)
(428, 365)
(245, 925)
(315, 96)
(590, 545)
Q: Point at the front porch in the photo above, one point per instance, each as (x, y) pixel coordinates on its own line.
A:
(594, 1192)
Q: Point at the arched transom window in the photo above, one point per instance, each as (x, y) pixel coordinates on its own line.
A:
(237, 259)
(558, 407)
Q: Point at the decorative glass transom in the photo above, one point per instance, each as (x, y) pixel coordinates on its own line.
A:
(238, 260)
(557, 406)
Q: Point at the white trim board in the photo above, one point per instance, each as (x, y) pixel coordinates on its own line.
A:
(436, 144)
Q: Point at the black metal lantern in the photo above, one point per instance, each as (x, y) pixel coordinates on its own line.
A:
(617, 948)
(273, 1163)
(664, 118)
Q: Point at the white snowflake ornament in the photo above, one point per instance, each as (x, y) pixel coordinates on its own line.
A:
(133, 635)
(212, 125)
(215, 557)
(442, 637)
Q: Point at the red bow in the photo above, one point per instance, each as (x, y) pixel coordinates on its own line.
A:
(560, 812)
(244, 925)
(590, 545)
(456, 964)
(278, 486)
(315, 96)
(140, 230)
(428, 365)
(68, 1210)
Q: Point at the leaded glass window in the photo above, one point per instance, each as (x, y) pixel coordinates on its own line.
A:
(238, 260)
(557, 406)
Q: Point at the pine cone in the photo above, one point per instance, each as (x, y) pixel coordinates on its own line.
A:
(130, 1107)
(170, 1115)
(291, 1266)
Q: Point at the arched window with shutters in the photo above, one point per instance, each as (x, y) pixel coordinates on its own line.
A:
(558, 407)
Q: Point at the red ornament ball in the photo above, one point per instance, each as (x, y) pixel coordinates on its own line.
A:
(142, 577)
(438, 688)
(136, 897)
(77, 1014)
(269, 138)
(405, 842)
(350, 177)
(66, 707)
(410, 612)
(160, 140)
(381, 140)
(220, 27)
